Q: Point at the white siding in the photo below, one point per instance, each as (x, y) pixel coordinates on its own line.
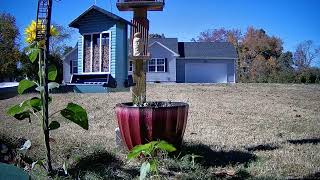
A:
(157, 51)
(71, 56)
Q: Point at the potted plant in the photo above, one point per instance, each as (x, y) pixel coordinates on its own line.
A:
(140, 121)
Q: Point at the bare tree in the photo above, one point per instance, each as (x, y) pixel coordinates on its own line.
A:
(58, 43)
(219, 35)
(305, 55)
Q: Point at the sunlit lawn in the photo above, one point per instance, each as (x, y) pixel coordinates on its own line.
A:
(241, 130)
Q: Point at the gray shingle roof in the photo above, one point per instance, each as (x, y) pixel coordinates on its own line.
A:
(206, 50)
(75, 23)
(171, 43)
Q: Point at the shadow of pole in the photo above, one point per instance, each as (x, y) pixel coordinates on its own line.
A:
(216, 158)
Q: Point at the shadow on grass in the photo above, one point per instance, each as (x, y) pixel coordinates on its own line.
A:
(263, 147)
(313, 176)
(305, 141)
(211, 157)
(103, 165)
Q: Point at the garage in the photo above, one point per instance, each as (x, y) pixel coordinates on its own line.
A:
(206, 73)
(206, 62)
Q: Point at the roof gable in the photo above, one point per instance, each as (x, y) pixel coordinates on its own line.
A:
(165, 47)
(75, 23)
(171, 43)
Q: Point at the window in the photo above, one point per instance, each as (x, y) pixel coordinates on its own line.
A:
(105, 53)
(87, 53)
(73, 66)
(96, 52)
(157, 65)
(152, 65)
(130, 66)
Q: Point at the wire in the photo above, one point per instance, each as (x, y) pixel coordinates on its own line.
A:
(110, 5)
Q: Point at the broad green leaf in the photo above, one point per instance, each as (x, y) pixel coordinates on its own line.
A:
(76, 114)
(144, 170)
(16, 109)
(36, 104)
(163, 145)
(24, 85)
(20, 111)
(34, 52)
(54, 125)
(138, 150)
(151, 149)
(52, 73)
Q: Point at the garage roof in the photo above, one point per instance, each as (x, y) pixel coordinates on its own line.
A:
(207, 50)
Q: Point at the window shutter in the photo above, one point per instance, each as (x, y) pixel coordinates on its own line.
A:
(166, 64)
(71, 67)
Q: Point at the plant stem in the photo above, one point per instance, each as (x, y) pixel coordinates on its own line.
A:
(43, 69)
(55, 113)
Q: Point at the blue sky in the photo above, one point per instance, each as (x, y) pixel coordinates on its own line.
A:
(291, 20)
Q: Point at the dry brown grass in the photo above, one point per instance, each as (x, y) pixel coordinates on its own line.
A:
(261, 119)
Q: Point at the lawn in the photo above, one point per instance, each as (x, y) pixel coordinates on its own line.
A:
(240, 130)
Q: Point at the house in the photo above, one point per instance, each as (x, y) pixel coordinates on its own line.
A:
(191, 62)
(100, 59)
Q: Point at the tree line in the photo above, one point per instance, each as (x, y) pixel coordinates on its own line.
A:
(261, 57)
(14, 62)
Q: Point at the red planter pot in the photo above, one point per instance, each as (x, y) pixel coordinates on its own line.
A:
(140, 125)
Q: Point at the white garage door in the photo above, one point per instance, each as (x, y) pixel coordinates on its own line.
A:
(206, 73)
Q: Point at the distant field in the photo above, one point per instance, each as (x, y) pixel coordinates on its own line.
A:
(259, 130)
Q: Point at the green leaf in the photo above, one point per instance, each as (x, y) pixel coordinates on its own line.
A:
(153, 165)
(54, 125)
(33, 54)
(20, 111)
(138, 150)
(36, 104)
(52, 73)
(16, 109)
(163, 145)
(24, 85)
(76, 114)
(144, 170)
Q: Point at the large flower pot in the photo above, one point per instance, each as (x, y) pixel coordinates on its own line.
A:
(155, 121)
